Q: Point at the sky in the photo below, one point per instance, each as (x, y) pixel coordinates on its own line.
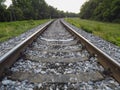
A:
(8, 2)
(65, 5)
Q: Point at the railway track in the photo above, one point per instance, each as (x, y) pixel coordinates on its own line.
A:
(57, 58)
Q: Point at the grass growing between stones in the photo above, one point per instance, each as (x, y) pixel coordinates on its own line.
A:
(107, 31)
(12, 29)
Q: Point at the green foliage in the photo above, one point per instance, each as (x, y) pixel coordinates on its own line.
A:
(30, 9)
(107, 31)
(102, 10)
(88, 9)
(86, 29)
(12, 29)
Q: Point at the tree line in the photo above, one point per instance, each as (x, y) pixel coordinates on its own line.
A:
(102, 10)
(30, 9)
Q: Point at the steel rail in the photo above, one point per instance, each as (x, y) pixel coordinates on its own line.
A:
(111, 65)
(10, 57)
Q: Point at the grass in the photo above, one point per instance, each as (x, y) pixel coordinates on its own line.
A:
(107, 31)
(12, 29)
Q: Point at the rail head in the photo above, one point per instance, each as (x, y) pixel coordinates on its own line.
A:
(11, 56)
(105, 60)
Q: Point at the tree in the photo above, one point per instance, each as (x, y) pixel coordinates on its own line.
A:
(29, 9)
(115, 10)
(102, 10)
(88, 9)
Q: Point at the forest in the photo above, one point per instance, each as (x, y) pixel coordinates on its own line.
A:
(30, 10)
(101, 10)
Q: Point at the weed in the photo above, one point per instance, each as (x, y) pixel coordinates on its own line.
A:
(107, 31)
(11, 29)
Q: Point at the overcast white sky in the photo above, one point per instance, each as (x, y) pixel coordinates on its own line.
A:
(8, 2)
(65, 5)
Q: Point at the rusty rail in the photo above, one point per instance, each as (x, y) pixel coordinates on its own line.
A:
(106, 61)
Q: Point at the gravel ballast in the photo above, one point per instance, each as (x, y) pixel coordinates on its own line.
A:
(8, 45)
(34, 67)
(109, 48)
(42, 49)
(112, 50)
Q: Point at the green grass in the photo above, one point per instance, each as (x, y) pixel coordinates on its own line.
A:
(11, 29)
(107, 31)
